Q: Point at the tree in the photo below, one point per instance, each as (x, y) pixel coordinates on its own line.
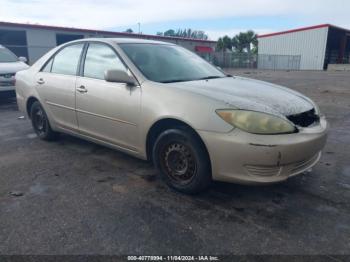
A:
(224, 43)
(170, 32)
(220, 44)
(245, 41)
(187, 33)
(251, 40)
(129, 30)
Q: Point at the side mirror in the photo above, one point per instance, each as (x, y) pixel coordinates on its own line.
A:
(119, 76)
(23, 59)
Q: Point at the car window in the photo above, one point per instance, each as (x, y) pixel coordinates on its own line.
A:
(100, 58)
(169, 63)
(48, 66)
(6, 56)
(67, 60)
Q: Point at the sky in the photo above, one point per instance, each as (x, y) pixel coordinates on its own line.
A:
(215, 17)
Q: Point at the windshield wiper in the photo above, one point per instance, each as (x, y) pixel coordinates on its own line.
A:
(209, 77)
(185, 80)
(175, 80)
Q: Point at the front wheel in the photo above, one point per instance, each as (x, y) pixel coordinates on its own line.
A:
(40, 123)
(182, 160)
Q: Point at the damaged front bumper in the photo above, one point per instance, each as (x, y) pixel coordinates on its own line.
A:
(252, 159)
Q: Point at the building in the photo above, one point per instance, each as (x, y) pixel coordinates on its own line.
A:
(309, 48)
(32, 41)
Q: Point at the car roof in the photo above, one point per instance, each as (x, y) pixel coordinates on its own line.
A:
(116, 40)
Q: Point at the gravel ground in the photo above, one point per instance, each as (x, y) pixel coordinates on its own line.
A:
(75, 197)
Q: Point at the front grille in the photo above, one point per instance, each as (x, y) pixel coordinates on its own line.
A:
(263, 170)
(304, 119)
(7, 75)
(8, 83)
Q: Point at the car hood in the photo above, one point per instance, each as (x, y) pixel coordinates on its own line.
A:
(249, 94)
(12, 67)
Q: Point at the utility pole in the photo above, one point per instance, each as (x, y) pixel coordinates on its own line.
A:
(139, 24)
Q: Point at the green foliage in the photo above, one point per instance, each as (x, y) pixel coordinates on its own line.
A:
(129, 30)
(186, 33)
(224, 43)
(170, 32)
(240, 43)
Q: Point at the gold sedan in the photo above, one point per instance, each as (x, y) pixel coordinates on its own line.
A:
(161, 102)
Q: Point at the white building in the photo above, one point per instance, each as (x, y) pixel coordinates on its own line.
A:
(32, 41)
(308, 48)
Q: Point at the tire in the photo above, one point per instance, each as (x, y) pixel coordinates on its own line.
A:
(182, 160)
(40, 123)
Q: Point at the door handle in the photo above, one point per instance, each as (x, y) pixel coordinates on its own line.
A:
(81, 89)
(40, 81)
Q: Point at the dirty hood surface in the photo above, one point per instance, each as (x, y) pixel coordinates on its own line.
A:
(12, 67)
(249, 94)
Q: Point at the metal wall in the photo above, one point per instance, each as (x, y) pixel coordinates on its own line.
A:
(279, 62)
(310, 45)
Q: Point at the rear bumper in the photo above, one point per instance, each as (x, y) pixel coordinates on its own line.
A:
(254, 159)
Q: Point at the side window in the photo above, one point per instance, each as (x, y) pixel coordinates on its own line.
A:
(48, 66)
(100, 58)
(66, 61)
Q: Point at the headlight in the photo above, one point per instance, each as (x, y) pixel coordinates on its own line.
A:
(256, 122)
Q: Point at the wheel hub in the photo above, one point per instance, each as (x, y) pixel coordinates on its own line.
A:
(40, 120)
(179, 162)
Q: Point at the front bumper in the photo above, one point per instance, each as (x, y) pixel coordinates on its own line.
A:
(7, 88)
(253, 159)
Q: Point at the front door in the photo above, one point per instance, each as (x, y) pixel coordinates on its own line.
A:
(107, 111)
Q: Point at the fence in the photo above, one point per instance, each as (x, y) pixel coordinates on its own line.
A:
(222, 59)
(250, 61)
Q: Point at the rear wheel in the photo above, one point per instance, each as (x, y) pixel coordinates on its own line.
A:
(40, 123)
(182, 160)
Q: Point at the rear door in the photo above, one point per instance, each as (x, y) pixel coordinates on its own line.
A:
(56, 86)
(107, 111)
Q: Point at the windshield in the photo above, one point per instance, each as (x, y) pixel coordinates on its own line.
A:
(7, 56)
(169, 63)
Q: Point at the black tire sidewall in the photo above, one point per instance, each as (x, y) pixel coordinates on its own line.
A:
(202, 178)
(48, 134)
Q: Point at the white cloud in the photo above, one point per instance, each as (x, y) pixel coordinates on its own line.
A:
(105, 14)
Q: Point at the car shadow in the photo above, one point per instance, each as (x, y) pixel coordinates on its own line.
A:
(7, 95)
(220, 192)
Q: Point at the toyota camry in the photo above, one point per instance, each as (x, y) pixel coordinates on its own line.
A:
(158, 101)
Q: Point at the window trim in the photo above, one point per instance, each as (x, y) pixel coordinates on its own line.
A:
(46, 63)
(82, 57)
(52, 57)
(82, 65)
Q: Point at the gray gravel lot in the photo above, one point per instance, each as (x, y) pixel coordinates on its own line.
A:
(75, 197)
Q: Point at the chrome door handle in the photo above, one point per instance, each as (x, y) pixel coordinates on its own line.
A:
(81, 89)
(40, 81)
